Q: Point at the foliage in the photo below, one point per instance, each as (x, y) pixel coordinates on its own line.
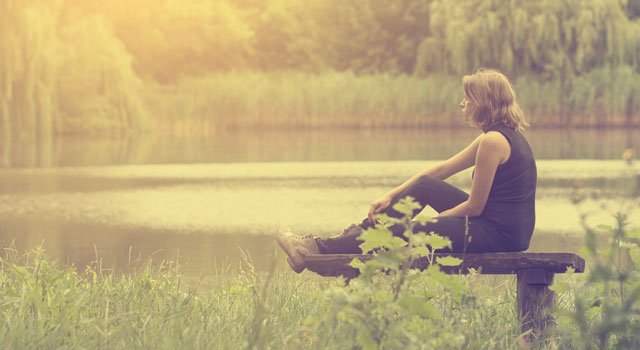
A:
(556, 39)
(64, 76)
(79, 66)
(152, 305)
(296, 99)
(344, 99)
(602, 312)
(390, 305)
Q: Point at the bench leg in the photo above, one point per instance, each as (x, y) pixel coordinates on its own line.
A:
(535, 301)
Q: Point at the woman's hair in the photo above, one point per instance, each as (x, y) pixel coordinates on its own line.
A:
(492, 101)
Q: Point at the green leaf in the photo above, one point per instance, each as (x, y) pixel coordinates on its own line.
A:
(423, 219)
(380, 238)
(357, 264)
(418, 239)
(448, 261)
(375, 265)
(407, 206)
(389, 259)
(435, 241)
(433, 272)
(419, 252)
(386, 220)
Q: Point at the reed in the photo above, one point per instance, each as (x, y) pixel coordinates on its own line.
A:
(603, 98)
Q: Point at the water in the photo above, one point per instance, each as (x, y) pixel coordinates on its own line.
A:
(300, 146)
(206, 200)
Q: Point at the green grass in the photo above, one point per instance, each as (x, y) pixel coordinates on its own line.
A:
(48, 305)
(148, 304)
(342, 99)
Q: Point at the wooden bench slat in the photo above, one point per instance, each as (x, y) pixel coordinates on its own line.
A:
(486, 263)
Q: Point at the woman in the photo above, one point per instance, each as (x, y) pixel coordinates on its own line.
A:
(498, 215)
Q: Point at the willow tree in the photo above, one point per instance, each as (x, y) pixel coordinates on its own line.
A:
(60, 73)
(557, 40)
(553, 37)
(28, 67)
(98, 90)
(171, 39)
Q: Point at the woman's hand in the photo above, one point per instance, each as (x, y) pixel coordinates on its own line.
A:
(378, 206)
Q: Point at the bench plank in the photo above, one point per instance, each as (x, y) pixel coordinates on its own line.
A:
(485, 263)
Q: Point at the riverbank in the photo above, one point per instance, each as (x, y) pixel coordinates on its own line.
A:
(603, 98)
(46, 304)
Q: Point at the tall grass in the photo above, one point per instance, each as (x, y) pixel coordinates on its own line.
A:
(296, 99)
(48, 305)
(604, 97)
(45, 305)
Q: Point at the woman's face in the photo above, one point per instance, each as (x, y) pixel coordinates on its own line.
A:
(463, 104)
(466, 112)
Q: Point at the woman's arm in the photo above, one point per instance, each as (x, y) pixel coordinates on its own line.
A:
(493, 150)
(461, 161)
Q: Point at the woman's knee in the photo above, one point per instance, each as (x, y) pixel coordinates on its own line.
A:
(422, 189)
(428, 181)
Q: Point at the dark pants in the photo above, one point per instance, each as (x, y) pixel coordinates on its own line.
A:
(428, 190)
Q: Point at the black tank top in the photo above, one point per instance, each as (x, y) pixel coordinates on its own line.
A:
(510, 208)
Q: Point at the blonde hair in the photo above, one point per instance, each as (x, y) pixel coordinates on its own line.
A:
(492, 101)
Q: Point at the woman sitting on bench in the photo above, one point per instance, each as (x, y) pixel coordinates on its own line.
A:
(499, 213)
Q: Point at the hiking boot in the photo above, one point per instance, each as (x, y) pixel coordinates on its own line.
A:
(296, 247)
(352, 229)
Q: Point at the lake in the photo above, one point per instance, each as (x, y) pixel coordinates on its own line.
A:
(208, 200)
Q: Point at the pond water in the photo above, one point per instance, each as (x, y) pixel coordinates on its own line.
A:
(208, 200)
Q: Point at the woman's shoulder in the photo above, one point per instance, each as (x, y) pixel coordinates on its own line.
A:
(494, 144)
(494, 138)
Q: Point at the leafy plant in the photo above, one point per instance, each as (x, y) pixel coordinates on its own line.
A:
(603, 310)
(391, 305)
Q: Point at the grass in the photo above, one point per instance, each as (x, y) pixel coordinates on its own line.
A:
(604, 97)
(296, 99)
(48, 305)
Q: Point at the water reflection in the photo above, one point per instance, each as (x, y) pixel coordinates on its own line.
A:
(205, 198)
(298, 145)
(119, 247)
(209, 212)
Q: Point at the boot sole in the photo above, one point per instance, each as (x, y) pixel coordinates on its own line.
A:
(298, 268)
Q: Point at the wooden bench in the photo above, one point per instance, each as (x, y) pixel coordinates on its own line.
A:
(534, 272)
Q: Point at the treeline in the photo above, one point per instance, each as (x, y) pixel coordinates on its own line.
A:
(550, 38)
(61, 75)
(78, 66)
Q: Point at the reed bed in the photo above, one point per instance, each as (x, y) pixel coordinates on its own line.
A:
(603, 98)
